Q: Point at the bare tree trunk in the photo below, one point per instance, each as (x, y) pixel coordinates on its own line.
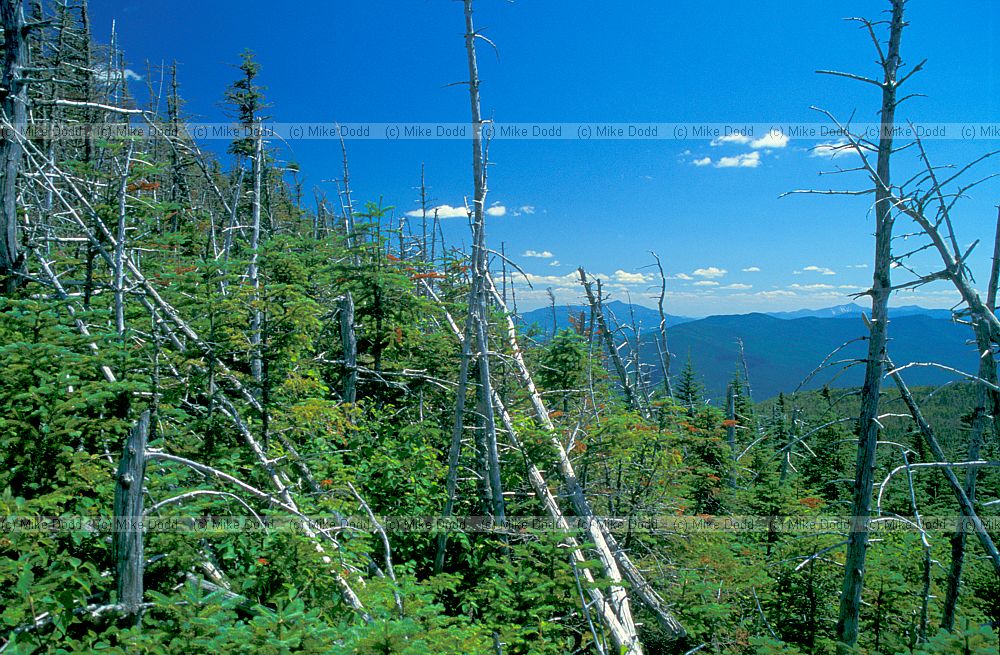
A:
(981, 417)
(476, 319)
(253, 271)
(119, 267)
(478, 306)
(662, 350)
(13, 103)
(868, 426)
(731, 433)
(126, 542)
(350, 345)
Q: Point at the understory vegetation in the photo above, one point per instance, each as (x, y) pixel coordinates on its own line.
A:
(321, 371)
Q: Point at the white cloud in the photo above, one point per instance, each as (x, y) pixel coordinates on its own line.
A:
(570, 280)
(777, 293)
(443, 211)
(747, 160)
(751, 269)
(555, 262)
(102, 74)
(447, 211)
(811, 287)
(683, 276)
(730, 138)
(857, 266)
(706, 283)
(710, 272)
(822, 270)
(630, 278)
(524, 209)
(773, 139)
(830, 149)
(704, 161)
(541, 254)
(738, 286)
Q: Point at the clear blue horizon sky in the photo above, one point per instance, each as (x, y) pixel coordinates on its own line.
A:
(728, 242)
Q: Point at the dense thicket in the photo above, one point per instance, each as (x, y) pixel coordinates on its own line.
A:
(303, 362)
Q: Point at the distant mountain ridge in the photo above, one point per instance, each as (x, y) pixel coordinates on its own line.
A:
(853, 310)
(782, 353)
(783, 348)
(648, 318)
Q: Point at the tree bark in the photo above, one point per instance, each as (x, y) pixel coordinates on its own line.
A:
(868, 425)
(126, 542)
(13, 102)
(349, 342)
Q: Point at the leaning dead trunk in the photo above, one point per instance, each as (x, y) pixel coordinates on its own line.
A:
(986, 400)
(603, 539)
(609, 342)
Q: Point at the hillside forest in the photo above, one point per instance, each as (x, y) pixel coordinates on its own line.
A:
(235, 418)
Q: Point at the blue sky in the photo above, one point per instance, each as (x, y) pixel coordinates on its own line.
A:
(604, 204)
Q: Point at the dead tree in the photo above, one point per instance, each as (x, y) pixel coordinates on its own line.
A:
(731, 432)
(661, 343)
(13, 104)
(639, 585)
(349, 342)
(597, 312)
(964, 502)
(984, 413)
(868, 425)
(476, 323)
(126, 542)
(478, 311)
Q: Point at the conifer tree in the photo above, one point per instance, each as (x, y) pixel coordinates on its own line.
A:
(690, 390)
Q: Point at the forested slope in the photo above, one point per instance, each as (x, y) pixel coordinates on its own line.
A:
(338, 442)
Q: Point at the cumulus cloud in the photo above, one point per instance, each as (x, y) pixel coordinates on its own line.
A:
(776, 293)
(773, 139)
(704, 161)
(443, 211)
(710, 272)
(524, 209)
(811, 287)
(730, 138)
(496, 209)
(822, 270)
(746, 160)
(569, 280)
(541, 254)
(751, 269)
(630, 278)
(738, 286)
(706, 283)
(555, 262)
(683, 276)
(830, 149)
